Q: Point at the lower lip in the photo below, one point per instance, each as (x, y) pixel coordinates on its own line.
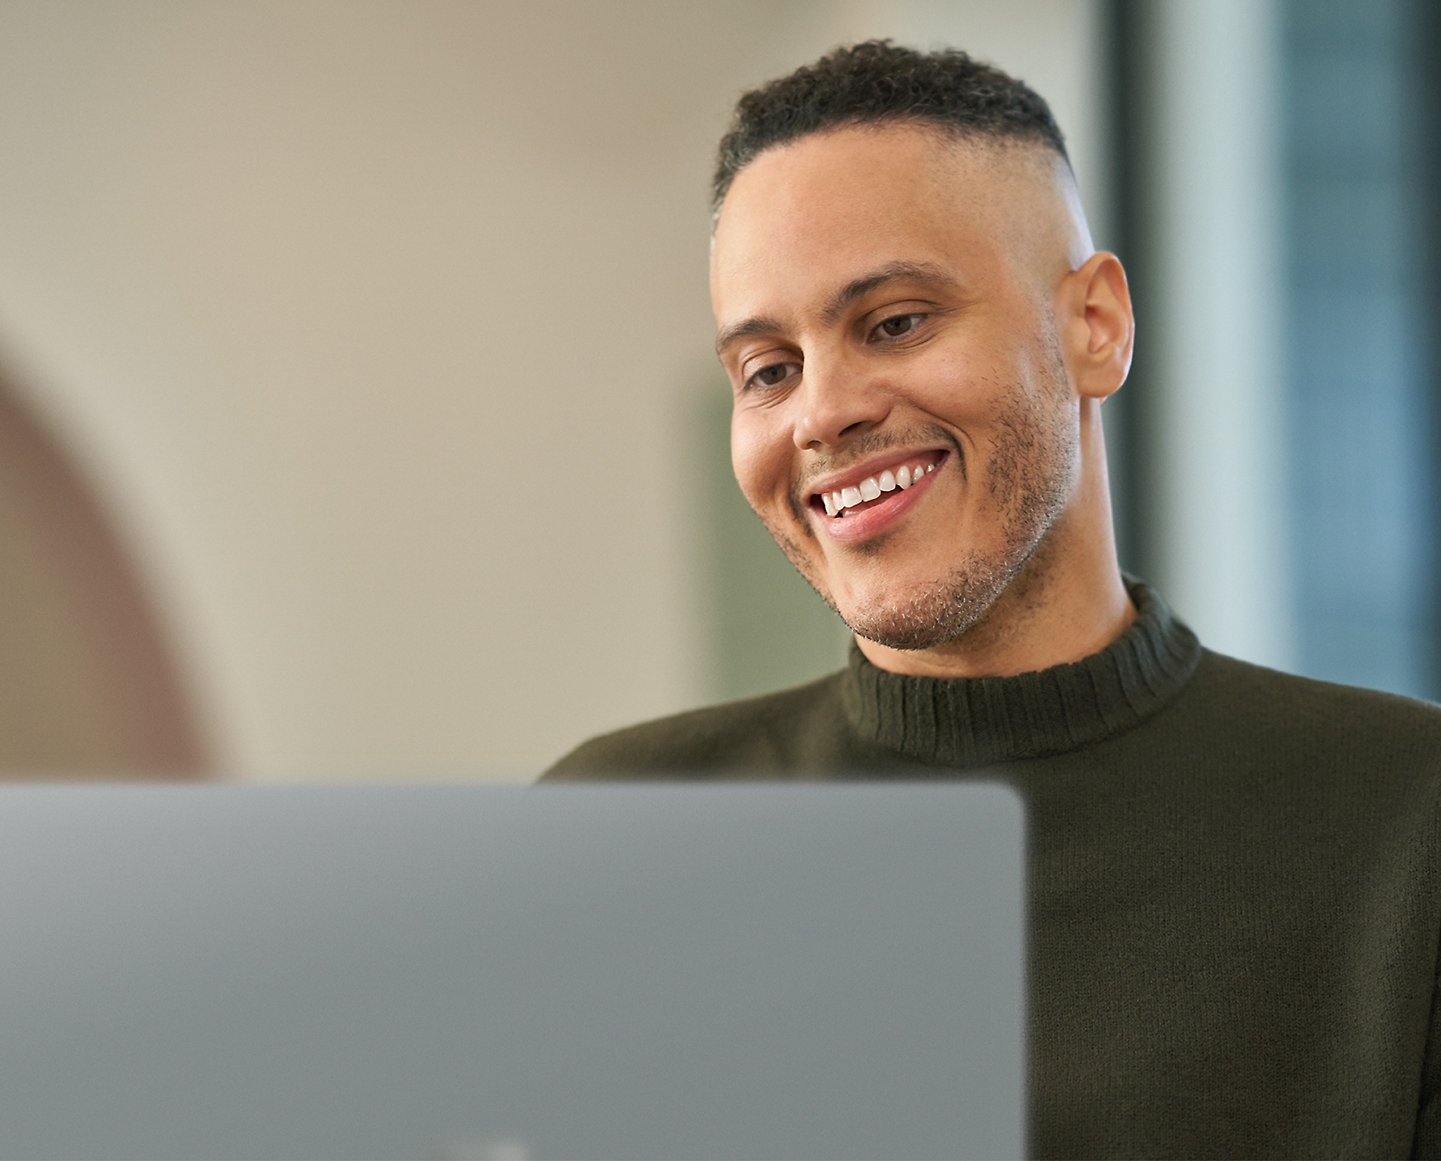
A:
(864, 523)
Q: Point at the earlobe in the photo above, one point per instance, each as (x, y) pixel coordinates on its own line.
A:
(1102, 322)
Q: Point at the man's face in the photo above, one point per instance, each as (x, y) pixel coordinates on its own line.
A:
(904, 424)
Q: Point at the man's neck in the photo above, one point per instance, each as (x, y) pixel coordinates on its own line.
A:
(1036, 623)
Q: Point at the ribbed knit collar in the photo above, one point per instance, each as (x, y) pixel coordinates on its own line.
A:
(984, 720)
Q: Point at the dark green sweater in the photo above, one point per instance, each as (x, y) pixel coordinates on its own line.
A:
(1235, 891)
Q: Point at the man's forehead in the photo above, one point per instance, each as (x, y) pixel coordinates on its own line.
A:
(811, 218)
(806, 218)
(831, 176)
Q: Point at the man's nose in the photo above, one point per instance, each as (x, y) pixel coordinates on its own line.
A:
(837, 401)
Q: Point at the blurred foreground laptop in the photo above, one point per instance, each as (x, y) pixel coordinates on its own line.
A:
(469, 972)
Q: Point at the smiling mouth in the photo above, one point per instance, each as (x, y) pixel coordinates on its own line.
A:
(858, 496)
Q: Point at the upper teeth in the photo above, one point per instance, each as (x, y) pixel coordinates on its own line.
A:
(836, 503)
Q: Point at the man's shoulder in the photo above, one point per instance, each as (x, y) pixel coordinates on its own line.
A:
(1303, 711)
(793, 731)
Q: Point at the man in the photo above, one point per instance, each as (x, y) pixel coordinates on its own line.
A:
(1235, 903)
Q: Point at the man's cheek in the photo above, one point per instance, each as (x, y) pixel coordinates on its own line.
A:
(762, 473)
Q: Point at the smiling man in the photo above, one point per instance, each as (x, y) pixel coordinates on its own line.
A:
(919, 338)
(1235, 885)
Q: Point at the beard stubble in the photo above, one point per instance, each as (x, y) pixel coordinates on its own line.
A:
(1030, 472)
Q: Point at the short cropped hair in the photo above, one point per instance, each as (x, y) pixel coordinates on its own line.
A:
(877, 81)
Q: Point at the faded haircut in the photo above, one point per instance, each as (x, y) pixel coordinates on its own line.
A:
(875, 82)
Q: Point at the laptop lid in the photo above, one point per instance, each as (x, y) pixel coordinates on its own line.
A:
(556, 971)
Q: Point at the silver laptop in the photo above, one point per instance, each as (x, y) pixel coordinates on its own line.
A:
(447, 972)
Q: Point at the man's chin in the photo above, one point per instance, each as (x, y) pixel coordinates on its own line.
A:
(914, 616)
(929, 616)
(904, 634)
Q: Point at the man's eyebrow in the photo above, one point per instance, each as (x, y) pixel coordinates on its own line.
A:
(741, 330)
(890, 272)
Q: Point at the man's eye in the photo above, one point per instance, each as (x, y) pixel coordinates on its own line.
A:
(772, 376)
(902, 324)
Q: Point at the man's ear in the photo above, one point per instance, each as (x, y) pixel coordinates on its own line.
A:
(1098, 328)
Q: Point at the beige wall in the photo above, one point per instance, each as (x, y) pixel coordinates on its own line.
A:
(375, 325)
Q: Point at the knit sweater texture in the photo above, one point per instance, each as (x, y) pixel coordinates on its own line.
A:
(1234, 882)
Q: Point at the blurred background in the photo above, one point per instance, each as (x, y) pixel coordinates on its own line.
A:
(358, 416)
